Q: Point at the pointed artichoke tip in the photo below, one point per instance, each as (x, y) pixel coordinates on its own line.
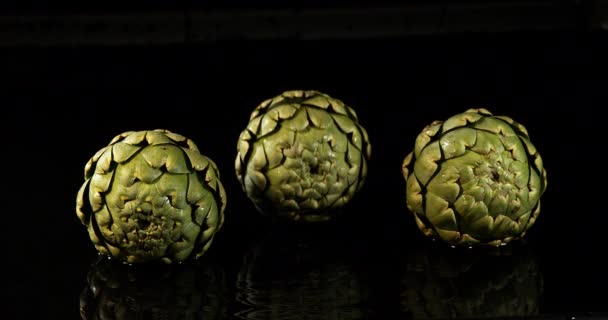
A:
(293, 93)
(482, 111)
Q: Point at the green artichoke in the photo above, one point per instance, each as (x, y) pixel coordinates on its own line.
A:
(475, 179)
(302, 154)
(150, 195)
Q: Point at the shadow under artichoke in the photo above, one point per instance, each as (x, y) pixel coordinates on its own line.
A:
(182, 291)
(445, 283)
(300, 275)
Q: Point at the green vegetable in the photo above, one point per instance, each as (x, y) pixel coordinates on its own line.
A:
(150, 195)
(302, 154)
(474, 179)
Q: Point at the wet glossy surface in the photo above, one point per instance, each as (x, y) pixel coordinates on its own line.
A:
(339, 271)
(296, 274)
(65, 102)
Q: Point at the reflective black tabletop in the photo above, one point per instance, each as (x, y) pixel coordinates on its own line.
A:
(71, 85)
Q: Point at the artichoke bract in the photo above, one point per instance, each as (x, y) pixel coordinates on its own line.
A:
(150, 195)
(302, 154)
(474, 179)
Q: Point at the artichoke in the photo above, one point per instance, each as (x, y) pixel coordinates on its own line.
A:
(150, 195)
(474, 179)
(302, 154)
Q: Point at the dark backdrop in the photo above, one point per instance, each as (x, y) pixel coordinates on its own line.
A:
(62, 103)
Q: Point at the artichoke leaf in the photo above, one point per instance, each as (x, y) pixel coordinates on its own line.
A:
(455, 143)
(338, 107)
(197, 161)
(105, 162)
(299, 122)
(319, 118)
(285, 111)
(268, 124)
(174, 136)
(120, 137)
(423, 139)
(318, 101)
(82, 210)
(460, 120)
(426, 164)
(122, 152)
(157, 137)
(135, 138)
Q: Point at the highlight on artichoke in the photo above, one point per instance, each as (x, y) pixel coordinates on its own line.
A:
(151, 196)
(302, 154)
(474, 179)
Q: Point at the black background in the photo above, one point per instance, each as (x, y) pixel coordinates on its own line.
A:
(63, 103)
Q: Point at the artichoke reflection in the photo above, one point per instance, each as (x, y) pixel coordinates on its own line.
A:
(150, 195)
(302, 154)
(448, 284)
(295, 277)
(181, 291)
(474, 179)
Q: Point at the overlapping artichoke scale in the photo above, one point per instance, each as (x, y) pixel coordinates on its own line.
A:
(140, 176)
(474, 177)
(461, 120)
(426, 136)
(414, 195)
(457, 142)
(426, 164)
(83, 208)
(282, 154)
(281, 178)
